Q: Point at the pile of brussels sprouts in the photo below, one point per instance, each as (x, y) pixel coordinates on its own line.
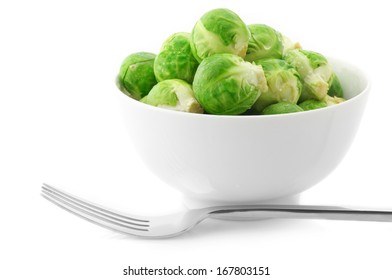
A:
(225, 67)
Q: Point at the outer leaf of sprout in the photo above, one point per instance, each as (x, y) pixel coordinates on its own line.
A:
(225, 84)
(315, 71)
(335, 89)
(284, 84)
(219, 31)
(173, 94)
(312, 104)
(264, 42)
(282, 108)
(176, 60)
(136, 77)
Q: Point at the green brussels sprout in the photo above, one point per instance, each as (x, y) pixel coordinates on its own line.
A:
(281, 108)
(225, 84)
(316, 73)
(312, 104)
(335, 89)
(283, 82)
(264, 42)
(136, 77)
(176, 60)
(219, 31)
(173, 94)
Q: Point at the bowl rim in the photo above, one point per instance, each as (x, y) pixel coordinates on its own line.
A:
(359, 70)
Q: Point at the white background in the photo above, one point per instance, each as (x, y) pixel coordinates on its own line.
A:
(59, 124)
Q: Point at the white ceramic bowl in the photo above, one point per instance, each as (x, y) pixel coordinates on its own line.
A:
(247, 159)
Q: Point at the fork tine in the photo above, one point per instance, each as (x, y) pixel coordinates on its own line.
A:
(95, 216)
(85, 209)
(97, 221)
(93, 207)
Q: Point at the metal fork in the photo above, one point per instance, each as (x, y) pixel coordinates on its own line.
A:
(182, 221)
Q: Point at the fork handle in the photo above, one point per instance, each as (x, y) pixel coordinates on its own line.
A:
(306, 212)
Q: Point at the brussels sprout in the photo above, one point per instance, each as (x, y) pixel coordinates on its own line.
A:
(335, 89)
(136, 77)
(282, 108)
(175, 95)
(175, 60)
(289, 45)
(312, 104)
(316, 73)
(264, 42)
(283, 83)
(333, 100)
(219, 31)
(225, 84)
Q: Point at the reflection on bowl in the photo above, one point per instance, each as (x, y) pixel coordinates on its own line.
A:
(247, 159)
